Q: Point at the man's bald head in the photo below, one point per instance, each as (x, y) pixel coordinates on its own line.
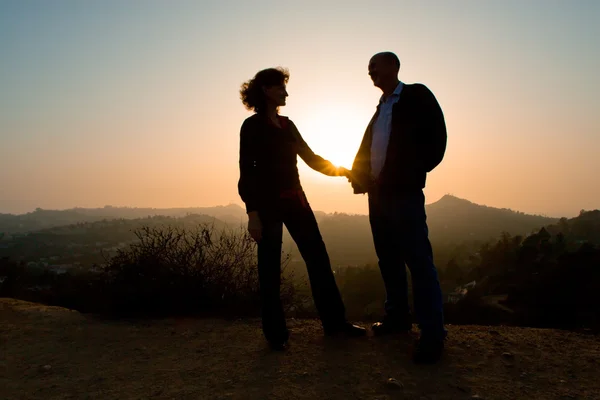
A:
(388, 57)
(383, 70)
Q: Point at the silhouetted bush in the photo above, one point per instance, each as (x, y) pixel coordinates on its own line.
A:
(167, 271)
(175, 270)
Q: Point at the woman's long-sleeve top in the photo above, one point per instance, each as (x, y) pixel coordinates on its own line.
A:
(268, 161)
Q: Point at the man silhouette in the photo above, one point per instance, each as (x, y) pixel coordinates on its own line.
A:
(405, 139)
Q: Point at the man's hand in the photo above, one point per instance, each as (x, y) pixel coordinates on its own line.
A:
(254, 226)
(345, 172)
(360, 183)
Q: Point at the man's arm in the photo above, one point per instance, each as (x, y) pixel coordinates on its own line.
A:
(360, 176)
(432, 135)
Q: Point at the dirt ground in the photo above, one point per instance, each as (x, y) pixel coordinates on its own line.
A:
(53, 353)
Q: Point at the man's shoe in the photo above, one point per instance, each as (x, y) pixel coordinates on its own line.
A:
(391, 325)
(428, 351)
(347, 329)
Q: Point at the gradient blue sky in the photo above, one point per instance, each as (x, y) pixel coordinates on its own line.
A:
(136, 103)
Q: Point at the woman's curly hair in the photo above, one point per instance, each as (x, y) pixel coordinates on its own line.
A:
(251, 92)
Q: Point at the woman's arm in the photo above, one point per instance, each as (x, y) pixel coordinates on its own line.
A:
(249, 159)
(314, 161)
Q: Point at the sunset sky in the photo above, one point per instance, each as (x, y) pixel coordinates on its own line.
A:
(135, 103)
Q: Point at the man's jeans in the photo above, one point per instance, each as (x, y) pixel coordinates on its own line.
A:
(400, 234)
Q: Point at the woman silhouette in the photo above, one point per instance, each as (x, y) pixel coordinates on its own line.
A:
(270, 187)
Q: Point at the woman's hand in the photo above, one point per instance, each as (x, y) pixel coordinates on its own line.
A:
(341, 171)
(254, 226)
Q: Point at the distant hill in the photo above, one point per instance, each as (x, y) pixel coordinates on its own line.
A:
(450, 216)
(87, 243)
(452, 221)
(455, 219)
(583, 228)
(43, 219)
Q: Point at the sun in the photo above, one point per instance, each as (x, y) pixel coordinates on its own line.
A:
(334, 138)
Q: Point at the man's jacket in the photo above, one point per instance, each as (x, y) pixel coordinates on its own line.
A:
(416, 146)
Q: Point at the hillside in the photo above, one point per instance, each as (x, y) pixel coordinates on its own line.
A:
(53, 353)
(86, 243)
(43, 219)
(547, 279)
(452, 222)
(452, 217)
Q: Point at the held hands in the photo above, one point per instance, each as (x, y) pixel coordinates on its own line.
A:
(254, 226)
(341, 171)
(359, 183)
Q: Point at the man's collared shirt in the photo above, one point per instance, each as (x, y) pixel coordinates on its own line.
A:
(382, 128)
